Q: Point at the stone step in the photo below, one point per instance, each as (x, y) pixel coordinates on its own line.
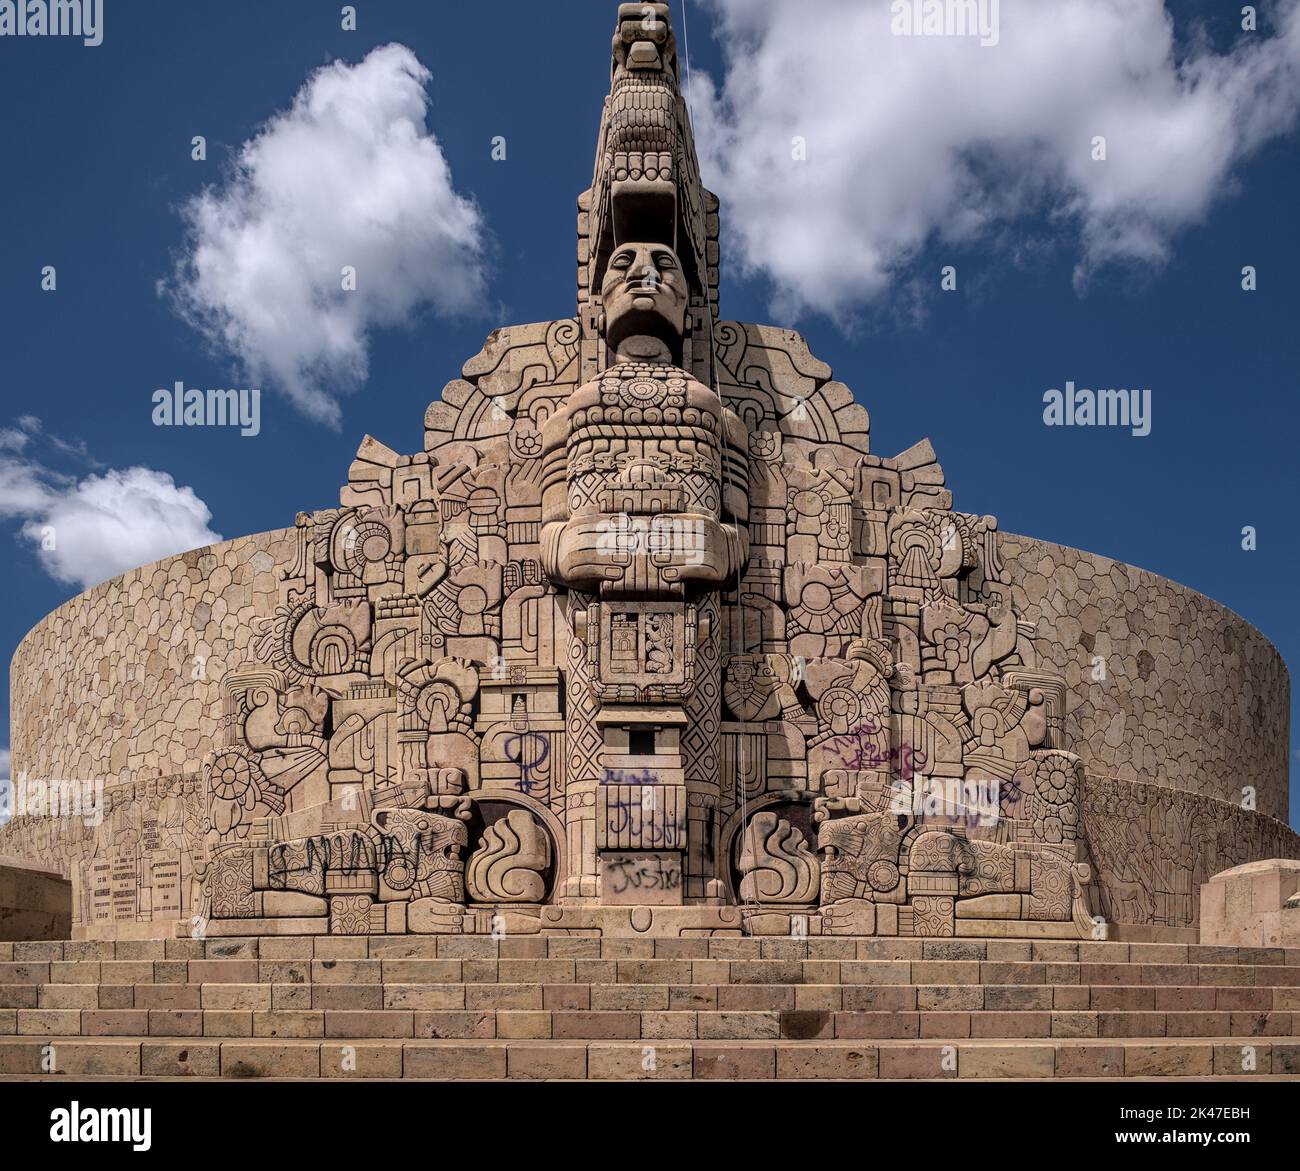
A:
(528, 1007)
(619, 947)
(645, 971)
(967, 998)
(523, 1059)
(254, 1016)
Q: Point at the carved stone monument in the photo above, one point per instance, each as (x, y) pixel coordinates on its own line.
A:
(646, 639)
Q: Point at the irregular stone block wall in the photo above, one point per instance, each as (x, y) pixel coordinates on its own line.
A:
(124, 680)
(122, 685)
(1194, 697)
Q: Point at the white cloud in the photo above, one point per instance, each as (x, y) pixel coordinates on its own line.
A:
(85, 531)
(5, 786)
(350, 176)
(17, 437)
(912, 140)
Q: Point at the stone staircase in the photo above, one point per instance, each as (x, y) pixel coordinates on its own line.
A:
(564, 1007)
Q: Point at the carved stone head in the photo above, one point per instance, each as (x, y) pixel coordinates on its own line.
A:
(645, 296)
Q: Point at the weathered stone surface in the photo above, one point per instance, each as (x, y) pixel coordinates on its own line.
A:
(35, 903)
(1255, 905)
(1150, 1018)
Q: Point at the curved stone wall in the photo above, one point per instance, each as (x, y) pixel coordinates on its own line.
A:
(123, 684)
(1192, 696)
(124, 680)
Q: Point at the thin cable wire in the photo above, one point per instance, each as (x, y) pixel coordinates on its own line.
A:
(686, 51)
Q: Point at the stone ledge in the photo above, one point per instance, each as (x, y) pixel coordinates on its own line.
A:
(743, 1060)
(469, 947)
(1253, 905)
(35, 903)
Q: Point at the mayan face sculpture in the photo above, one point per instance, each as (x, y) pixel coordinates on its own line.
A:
(645, 295)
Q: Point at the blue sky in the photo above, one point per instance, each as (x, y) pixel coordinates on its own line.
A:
(1130, 283)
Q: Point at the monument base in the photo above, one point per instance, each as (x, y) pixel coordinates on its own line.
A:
(1255, 905)
(34, 903)
(665, 921)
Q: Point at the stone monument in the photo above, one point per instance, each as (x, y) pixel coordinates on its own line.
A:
(647, 640)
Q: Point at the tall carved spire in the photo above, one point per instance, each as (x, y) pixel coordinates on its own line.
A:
(646, 188)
